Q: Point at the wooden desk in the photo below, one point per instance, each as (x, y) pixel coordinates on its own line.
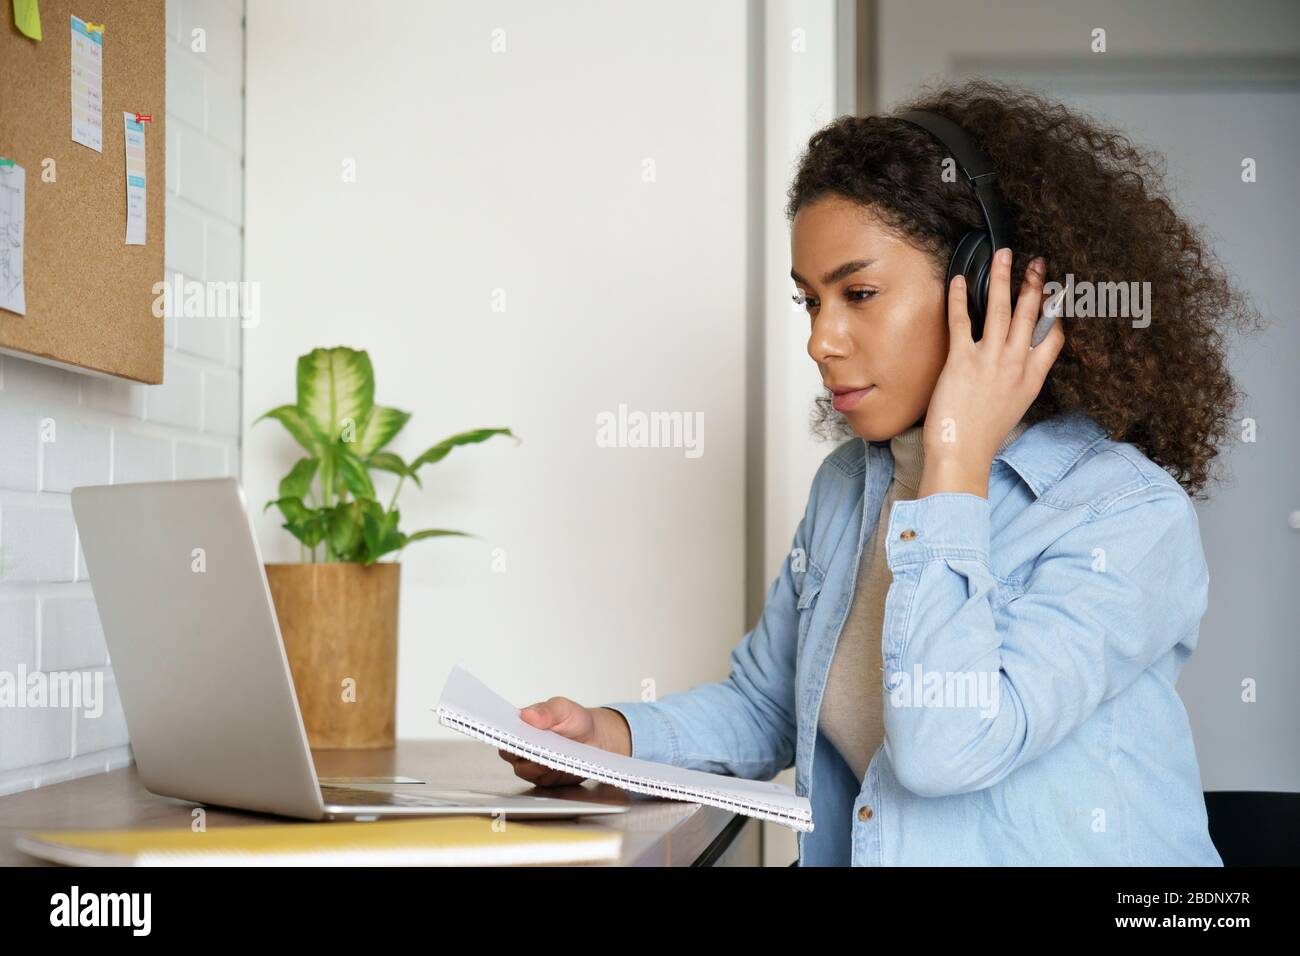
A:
(656, 832)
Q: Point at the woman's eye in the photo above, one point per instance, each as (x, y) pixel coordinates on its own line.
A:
(854, 295)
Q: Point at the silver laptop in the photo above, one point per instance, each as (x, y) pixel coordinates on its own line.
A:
(201, 668)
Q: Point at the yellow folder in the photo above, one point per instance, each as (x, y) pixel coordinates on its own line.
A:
(469, 840)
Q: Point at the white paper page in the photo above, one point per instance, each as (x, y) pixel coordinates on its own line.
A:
(135, 178)
(13, 200)
(88, 84)
(470, 698)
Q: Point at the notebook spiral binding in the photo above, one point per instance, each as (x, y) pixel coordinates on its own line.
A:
(556, 761)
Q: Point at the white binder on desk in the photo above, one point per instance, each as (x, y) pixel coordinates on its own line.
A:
(471, 707)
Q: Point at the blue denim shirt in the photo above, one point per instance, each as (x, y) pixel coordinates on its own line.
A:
(1031, 642)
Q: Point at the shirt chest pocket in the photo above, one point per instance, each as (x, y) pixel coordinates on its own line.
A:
(809, 589)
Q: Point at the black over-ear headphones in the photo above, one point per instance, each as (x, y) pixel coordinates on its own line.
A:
(973, 255)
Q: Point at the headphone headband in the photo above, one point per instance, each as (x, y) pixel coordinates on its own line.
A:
(972, 256)
(974, 164)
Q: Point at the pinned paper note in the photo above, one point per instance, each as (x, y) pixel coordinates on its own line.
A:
(13, 199)
(88, 84)
(27, 18)
(135, 177)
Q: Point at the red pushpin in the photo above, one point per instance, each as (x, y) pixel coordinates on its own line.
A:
(144, 117)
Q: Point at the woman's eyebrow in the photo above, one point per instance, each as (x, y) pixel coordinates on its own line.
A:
(836, 274)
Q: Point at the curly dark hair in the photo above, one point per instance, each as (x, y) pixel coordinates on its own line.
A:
(1083, 196)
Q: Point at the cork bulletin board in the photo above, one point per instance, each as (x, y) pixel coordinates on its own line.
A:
(89, 295)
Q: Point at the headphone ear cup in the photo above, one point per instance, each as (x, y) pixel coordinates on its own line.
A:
(973, 259)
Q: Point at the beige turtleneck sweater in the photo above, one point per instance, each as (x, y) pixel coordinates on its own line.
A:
(852, 712)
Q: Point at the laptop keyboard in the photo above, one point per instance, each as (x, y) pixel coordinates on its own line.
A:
(380, 798)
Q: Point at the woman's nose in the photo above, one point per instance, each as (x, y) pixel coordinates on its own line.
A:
(828, 337)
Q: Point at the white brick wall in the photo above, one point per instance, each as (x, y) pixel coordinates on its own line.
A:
(113, 431)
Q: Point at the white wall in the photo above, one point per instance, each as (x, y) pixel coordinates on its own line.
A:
(934, 40)
(802, 72)
(519, 171)
(112, 431)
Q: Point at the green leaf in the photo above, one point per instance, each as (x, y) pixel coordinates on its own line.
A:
(436, 533)
(353, 472)
(372, 525)
(387, 461)
(291, 507)
(345, 529)
(307, 525)
(298, 426)
(297, 484)
(440, 451)
(336, 388)
(315, 531)
(380, 531)
(380, 427)
(310, 532)
(328, 457)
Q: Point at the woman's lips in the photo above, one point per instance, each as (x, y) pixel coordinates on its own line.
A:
(846, 401)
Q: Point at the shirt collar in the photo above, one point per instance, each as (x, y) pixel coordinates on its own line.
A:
(1042, 455)
(1047, 450)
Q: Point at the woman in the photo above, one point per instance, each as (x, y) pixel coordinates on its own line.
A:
(970, 653)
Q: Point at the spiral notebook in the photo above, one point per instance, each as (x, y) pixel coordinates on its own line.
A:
(471, 707)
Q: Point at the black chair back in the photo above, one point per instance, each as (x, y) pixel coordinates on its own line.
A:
(1255, 827)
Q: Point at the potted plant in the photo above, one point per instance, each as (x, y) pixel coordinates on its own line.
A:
(338, 607)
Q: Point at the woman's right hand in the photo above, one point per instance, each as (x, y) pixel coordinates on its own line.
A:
(599, 726)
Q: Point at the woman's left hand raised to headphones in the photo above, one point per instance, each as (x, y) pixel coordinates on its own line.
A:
(986, 386)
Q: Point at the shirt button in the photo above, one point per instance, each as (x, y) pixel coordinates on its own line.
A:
(908, 535)
(864, 813)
